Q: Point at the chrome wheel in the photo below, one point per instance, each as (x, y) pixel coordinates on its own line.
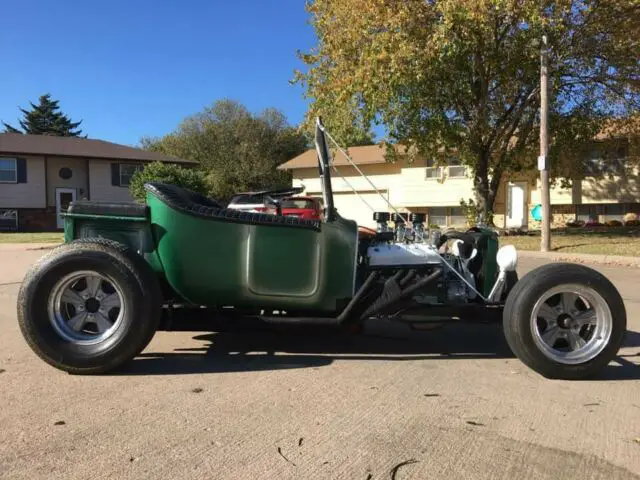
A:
(86, 307)
(571, 324)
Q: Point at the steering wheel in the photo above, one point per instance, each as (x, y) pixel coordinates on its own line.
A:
(276, 202)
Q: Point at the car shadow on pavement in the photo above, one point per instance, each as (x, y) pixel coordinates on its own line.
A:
(624, 366)
(282, 348)
(291, 348)
(632, 339)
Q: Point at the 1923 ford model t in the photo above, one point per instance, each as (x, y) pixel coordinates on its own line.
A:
(96, 301)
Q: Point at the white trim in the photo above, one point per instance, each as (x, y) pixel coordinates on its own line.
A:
(58, 191)
(525, 217)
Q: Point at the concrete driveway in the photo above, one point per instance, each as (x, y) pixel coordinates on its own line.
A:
(450, 403)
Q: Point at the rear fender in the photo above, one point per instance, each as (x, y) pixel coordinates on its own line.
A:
(125, 223)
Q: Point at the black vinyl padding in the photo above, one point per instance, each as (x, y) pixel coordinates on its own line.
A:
(193, 203)
(118, 209)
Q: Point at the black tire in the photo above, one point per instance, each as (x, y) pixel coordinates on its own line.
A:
(140, 289)
(519, 307)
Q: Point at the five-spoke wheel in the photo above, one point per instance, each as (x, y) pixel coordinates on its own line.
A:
(564, 320)
(86, 307)
(89, 306)
(571, 324)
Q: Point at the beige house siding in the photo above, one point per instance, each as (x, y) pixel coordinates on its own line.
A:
(100, 187)
(416, 190)
(591, 190)
(383, 177)
(26, 195)
(78, 179)
(408, 186)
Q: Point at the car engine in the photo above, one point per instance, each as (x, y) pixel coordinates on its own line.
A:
(416, 249)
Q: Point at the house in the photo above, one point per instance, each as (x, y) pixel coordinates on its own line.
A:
(421, 186)
(41, 174)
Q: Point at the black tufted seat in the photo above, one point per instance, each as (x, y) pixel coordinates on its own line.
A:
(193, 203)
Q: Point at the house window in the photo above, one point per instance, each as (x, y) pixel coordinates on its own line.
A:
(613, 211)
(8, 220)
(454, 169)
(587, 213)
(457, 216)
(8, 170)
(606, 159)
(432, 170)
(438, 216)
(127, 170)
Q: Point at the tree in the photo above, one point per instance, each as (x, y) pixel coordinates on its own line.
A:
(46, 119)
(236, 150)
(463, 76)
(166, 173)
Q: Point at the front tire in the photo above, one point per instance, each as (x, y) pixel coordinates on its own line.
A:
(565, 321)
(89, 306)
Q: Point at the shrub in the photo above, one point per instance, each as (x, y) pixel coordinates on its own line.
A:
(632, 223)
(575, 223)
(473, 212)
(166, 173)
(613, 223)
(630, 217)
(593, 223)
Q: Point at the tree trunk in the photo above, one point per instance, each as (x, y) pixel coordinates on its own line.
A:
(481, 185)
(485, 188)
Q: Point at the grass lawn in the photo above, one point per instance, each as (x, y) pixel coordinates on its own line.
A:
(595, 243)
(35, 237)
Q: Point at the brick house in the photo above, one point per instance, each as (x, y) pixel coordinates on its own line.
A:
(40, 175)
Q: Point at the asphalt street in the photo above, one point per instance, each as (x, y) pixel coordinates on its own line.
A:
(393, 403)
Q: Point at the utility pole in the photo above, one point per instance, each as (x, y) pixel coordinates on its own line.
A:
(543, 163)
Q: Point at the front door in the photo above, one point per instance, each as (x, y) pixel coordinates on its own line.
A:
(64, 196)
(516, 205)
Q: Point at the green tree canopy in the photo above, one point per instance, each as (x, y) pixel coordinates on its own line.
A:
(45, 118)
(463, 75)
(188, 178)
(236, 150)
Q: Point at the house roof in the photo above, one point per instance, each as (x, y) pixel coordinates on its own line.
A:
(19, 144)
(361, 155)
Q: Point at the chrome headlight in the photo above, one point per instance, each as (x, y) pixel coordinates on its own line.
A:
(507, 258)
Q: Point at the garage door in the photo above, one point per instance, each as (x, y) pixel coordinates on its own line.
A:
(351, 206)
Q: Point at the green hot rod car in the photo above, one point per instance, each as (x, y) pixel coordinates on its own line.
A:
(124, 270)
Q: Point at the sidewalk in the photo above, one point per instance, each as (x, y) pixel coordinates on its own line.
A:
(618, 260)
(21, 247)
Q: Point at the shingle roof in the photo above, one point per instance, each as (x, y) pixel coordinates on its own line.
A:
(361, 155)
(18, 144)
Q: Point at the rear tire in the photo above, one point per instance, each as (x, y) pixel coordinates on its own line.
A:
(565, 321)
(56, 309)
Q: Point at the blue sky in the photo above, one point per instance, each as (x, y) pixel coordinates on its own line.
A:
(134, 68)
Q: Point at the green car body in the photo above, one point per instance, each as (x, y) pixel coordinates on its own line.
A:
(215, 262)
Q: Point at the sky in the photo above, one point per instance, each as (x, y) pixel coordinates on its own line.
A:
(136, 68)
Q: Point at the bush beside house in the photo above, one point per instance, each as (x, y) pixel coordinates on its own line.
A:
(188, 178)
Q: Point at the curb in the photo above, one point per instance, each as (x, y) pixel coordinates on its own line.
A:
(617, 260)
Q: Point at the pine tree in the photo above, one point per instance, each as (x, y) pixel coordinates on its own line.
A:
(46, 119)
